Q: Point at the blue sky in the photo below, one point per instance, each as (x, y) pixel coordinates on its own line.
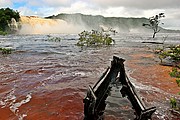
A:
(17, 5)
(108, 8)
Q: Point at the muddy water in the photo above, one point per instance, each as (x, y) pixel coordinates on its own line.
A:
(47, 79)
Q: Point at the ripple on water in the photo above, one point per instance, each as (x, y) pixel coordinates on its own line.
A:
(11, 102)
(57, 75)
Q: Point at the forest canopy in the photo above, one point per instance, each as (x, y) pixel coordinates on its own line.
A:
(6, 15)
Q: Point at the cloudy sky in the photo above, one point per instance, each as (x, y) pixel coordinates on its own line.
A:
(107, 8)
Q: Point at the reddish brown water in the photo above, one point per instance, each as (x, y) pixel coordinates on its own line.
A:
(45, 79)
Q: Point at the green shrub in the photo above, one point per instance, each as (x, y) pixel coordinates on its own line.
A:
(173, 103)
(3, 33)
(175, 73)
(54, 39)
(94, 38)
(5, 50)
(172, 52)
(178, 82)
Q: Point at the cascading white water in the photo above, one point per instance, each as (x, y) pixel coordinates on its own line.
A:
(13, 25)
(36, 25)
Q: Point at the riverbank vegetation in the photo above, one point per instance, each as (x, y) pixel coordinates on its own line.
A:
(170, 56)
(175, 73)
(54, 39)
(7, 15)
(94, 38)
(170, 53)
(5, 50)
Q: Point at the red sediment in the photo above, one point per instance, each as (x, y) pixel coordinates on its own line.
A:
(63, 104)
(153, 73)
(6, 114)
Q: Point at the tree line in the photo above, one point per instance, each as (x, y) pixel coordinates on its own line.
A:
(6, 15)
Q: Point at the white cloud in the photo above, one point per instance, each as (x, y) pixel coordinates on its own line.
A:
(34, 3)
(108, 8)
(57, 3)
(140, 8)
(78, 7)
(25, 11)
(5, 3)
(141, 4)
(45, 3)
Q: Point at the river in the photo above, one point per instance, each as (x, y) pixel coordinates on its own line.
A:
(46, 78)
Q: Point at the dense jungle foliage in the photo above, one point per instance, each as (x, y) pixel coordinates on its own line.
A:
(6, 16)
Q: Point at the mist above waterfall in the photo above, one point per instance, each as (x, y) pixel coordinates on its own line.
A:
(76, 23)
(36, 25)
(120, 24)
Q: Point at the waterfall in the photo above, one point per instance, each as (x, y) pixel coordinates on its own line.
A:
(13, 25)
(37, 25)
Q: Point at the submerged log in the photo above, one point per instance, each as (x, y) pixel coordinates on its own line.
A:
(153, 42)
(95, 100)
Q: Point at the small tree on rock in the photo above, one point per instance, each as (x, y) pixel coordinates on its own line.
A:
(154, 23)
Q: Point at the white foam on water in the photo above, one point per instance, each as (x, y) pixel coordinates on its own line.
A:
(10, 101)
(15, 107)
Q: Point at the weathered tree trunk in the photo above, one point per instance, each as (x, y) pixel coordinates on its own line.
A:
(154, 34)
